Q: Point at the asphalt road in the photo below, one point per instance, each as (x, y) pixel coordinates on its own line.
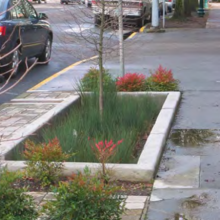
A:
(73, 27)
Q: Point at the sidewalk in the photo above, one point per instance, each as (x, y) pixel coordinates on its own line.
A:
(188, 181)
(187, 186)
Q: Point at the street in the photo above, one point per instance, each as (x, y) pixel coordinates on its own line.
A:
(72, 27)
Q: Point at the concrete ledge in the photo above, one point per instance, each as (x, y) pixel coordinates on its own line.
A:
(149, 159)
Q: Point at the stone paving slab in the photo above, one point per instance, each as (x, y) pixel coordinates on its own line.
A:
(178, 172)
(25, 114)
(210, 172)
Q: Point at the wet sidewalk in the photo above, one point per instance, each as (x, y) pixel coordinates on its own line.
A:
(187, 186)
(214, 16)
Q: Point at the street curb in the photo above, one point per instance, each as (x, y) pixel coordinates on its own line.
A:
(55, 75)
(149, 159)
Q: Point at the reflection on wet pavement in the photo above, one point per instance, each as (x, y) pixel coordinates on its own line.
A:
(187, 186)
(197, 142)
(192, 137)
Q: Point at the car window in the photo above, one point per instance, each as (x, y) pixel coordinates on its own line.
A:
(3, 9)
(31, 13)
(17, 11)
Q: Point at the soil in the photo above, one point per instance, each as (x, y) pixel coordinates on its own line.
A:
(125, 188)
(190, 22)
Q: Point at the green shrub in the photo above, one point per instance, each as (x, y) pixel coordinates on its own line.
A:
(85, 197)
(131, 82)
(14, 204)
(45, 161)
(162, 80)
(90, 82)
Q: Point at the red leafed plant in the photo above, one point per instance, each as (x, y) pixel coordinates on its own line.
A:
(131, 82)
(103, 152)
(45, 160)
(162, 80)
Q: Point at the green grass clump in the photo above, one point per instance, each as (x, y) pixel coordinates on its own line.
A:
(124, 117)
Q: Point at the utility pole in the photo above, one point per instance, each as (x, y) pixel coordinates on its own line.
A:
(121, 39)
(155, 14)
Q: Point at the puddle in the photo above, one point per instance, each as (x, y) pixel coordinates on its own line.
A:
(179, 216)
(194, 137)
(188, 205)
(194, 202)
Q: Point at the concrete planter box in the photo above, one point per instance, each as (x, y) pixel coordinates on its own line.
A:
(146, 166)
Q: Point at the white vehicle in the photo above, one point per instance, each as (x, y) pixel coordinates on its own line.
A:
(168, 7)
(171, 3)
(88, 3)
(136, 11)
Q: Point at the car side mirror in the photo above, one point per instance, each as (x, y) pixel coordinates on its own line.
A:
(42, 16)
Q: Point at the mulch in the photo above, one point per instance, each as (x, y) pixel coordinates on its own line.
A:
(125, 187)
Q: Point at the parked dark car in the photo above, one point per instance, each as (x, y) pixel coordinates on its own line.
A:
(21, 24)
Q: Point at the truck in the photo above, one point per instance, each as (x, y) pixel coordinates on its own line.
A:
(137, 12)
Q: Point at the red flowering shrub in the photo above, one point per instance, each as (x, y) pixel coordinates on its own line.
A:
(45, 160)
(85, 197)
(103, 152)
(162, 80)
(131, 82)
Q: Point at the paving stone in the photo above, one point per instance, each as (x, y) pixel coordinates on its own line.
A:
(22, 96)
(178, 172)
(38, 196)
(49, 196)
(62, 96)
(10, 121)
(137, 199)
(132, 205)
(210, 172)
(133, 212)
(134, 217)
(9, 129)
(5, 133)
(31, 115)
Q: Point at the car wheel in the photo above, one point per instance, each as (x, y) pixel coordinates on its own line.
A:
(15, 60)
(140, 22)
(45, 56)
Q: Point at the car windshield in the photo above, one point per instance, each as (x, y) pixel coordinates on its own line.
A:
(3, 8)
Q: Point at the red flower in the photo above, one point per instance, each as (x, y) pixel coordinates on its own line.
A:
(131, 82)
(104, 150)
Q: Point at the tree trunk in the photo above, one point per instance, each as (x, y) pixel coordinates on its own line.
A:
(194, 5)
(187, 8)
(101, 69)
(179, 9)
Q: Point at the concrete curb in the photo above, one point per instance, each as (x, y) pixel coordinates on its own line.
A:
(149, 159)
